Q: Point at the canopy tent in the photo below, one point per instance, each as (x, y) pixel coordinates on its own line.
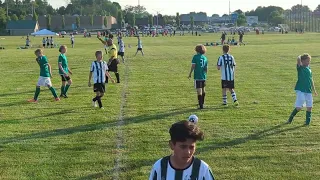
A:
(44, 32)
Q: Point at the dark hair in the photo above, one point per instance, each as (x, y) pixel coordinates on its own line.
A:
(183, 130)
(226, 48)
(305, 56)
(98, 53)
(38, 51)
(110, 36)
(200, 49)
(62, 47)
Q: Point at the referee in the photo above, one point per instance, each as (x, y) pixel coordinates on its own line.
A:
(113, 59)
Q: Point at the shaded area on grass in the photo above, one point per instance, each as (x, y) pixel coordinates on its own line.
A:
(256, 136)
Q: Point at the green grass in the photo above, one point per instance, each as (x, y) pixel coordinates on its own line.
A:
(71, 140)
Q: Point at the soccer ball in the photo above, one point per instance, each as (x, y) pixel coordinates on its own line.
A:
(193, 118)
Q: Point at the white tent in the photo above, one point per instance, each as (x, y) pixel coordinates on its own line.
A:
(44, 32)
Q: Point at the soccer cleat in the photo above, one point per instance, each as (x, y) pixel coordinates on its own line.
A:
(102, 108)
(33, 100)
(94, 104)
(57, 99)
(63, 96)
(224, 104)
(290, 120)
(236, 103)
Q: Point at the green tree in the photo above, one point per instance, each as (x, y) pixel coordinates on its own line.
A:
(91, 20)
(35, 16)
(120, 18)
(22, 17)
(150, 20)
(134, 20)
(48, 22)
(78, 21)
(63, 22)
(242, 20)
(14, 17)
(192, 22)
(178, 19)
(105, 22)
(165, 20)
(318, 8)
(276, 18)
(3, 18)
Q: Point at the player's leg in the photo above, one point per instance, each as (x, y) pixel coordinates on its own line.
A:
(300, 99)
(136, 52)
(199, 93)
(203, 91)
(114, 65)
(36, 95)
(142, 52)
(224, 96)
(234, 96)
(309, 104)
(67, 86)
(53, 91)
(63, 85)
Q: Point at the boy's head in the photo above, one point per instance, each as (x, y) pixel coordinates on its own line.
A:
(184, 135)
(201, 49)
(226, 48)
(109, 42)
(98, 55)
(63, 49)
(305, 59)
(38, 52)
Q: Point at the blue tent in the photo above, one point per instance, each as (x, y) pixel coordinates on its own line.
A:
(44, 32)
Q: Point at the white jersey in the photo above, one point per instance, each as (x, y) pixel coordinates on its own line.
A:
(72, 38)
(98, 70)
(121, 46)
(198, 170)
(43, 41)
(51, 41)
(139, 44)
(227, 64)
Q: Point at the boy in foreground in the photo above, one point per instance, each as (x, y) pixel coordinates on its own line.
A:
(304, 88)
(226, 64)
(99, 69)
(45, 74)
(182, 164)
(199, 66)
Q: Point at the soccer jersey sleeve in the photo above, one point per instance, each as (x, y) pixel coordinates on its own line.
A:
(193, 60)
(233, 61)
(153, 174)
(92, 67)
(219, 63)
(60, 59)
(208, 175)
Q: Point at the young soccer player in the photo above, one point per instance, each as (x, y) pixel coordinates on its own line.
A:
(43, 42)
(139, 47)
(64, 71)
(48, 42)
(304, 88)
(121, 48)
(182, 164)
(99, 69)
(51, 41)
(226, 64)
(199, 66)
(72, 40)
(45, 74)
(241, 38)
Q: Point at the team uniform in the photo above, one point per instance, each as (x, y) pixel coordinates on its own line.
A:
(51, 42)
(113, 63)
(121, 48)
(200, 71)
(303, 87)
(48, 42)
(72, 40)
(99, 70)
(227, 64)
(44, 79)
(198, 170)
(27, 42)
(64, 63)
(139, 45)
(44, 42)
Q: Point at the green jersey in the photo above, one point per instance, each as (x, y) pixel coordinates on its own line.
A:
(304, 83)
(44, 68)
(200, 70)
(64, 63)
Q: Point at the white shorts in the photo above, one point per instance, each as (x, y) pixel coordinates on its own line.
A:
(304, 99)
(44, 81)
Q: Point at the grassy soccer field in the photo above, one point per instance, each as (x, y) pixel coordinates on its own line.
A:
(71, 140)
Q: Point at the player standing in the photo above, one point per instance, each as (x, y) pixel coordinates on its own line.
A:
(99, 70)
(121, 48)
(182, 164)
(45, 74)
(304, 88)
(226, 64)
(64, 71)
(200, 68)
(139, 46)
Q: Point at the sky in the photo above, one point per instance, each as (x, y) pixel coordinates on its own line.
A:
(171, 7)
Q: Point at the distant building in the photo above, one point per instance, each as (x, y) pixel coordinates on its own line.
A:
(22, 27)
(197, 18)
(252, 20)
(70, 22)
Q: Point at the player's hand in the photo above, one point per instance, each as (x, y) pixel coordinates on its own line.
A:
(89, 84)
(113, 81)
(316, 93)
(189, 77)
(70, 72)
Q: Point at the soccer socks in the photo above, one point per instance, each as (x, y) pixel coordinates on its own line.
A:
(99, 101)
(203, 96)
(62, 90)
(294, 113)
(200, 101)
(66, 89)
(36, 94)
(118, 77)
(308, 117)
(53, 91)
(234, 96)
(224, 99)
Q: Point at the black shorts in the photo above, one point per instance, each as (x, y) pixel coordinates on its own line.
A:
(99, 87)
(44, 45)
(139, 49)
(200, 83)
(113, 67)
(48, 44)
(227, 84)
(63, 78)
(121, 54)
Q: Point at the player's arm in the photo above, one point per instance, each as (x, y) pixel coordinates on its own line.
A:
(90, 76)
(219, 63)
(299, 61)
(108, 75)
(69, 70)
(50, 70)
(314, 88)
(102, 41)
(61, 68)
(192, 69)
